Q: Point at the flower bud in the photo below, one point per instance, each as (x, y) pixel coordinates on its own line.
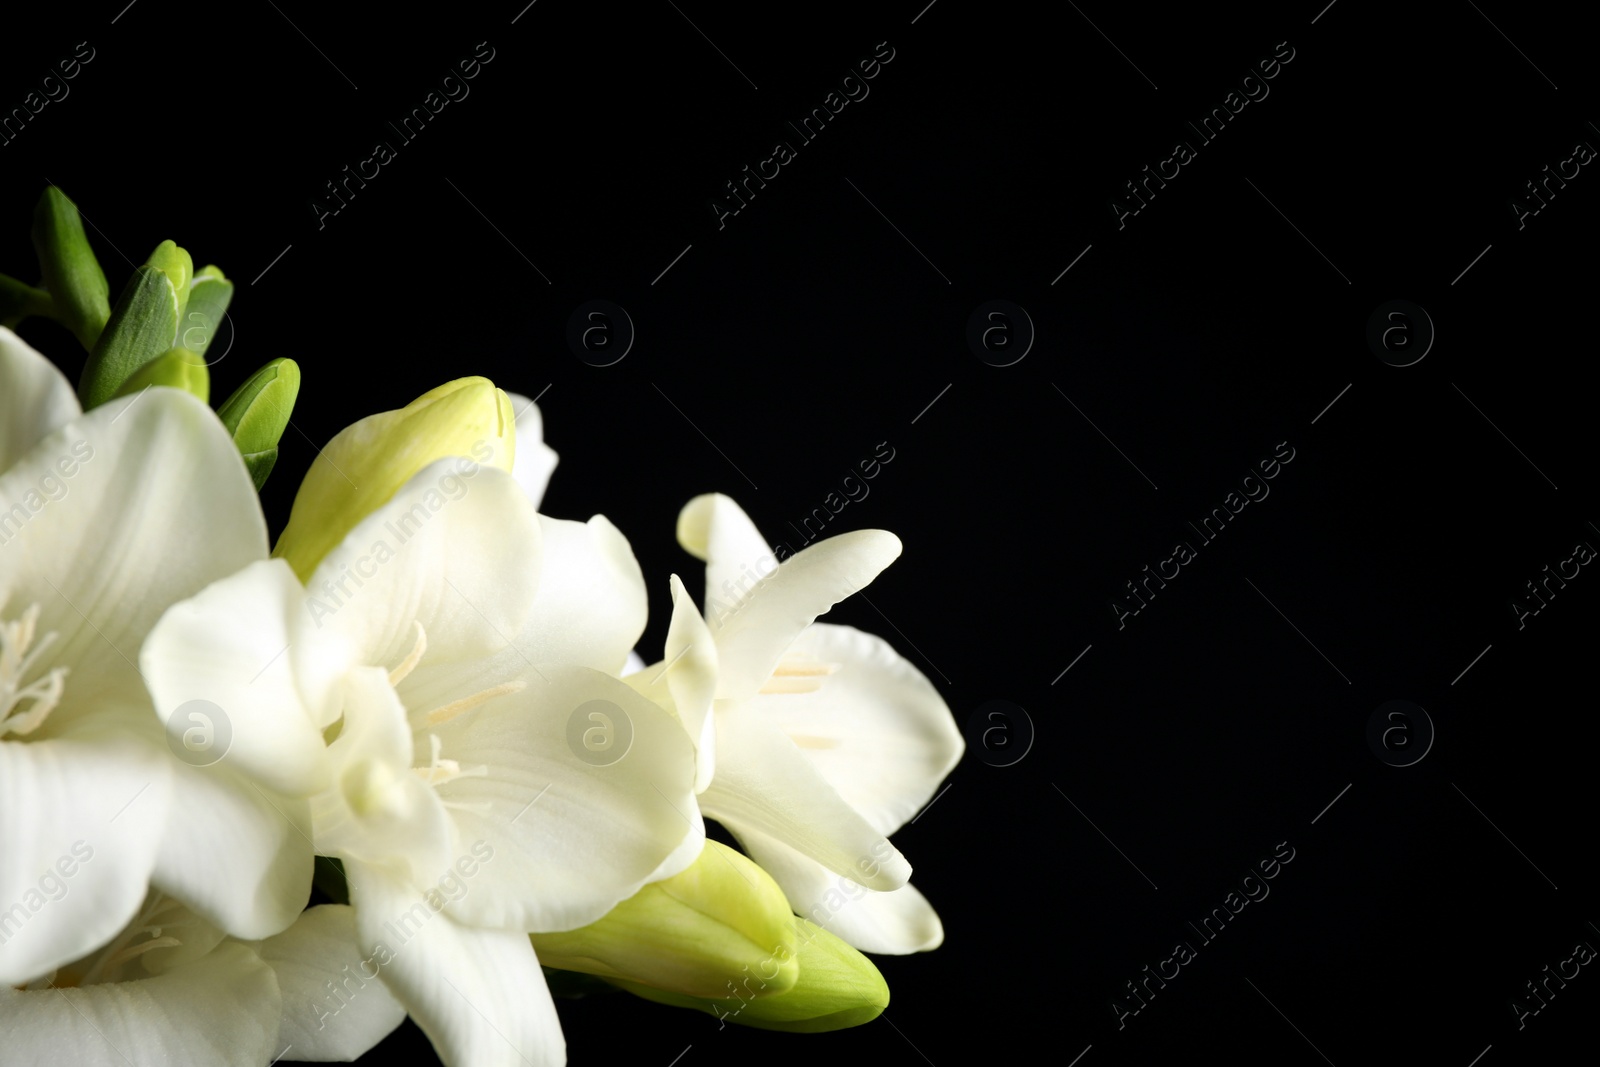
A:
(721, 924)
(176, 368)
(838, 988)
(71, 273)
(143, 325)
(209, 295)
(363, 466)
(258, 413)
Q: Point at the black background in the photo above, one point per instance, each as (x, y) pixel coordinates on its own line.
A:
(826, 316)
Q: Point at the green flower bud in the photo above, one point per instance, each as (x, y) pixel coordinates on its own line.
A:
(177, 368)
(71, 273)
(838, 988)
(363, 466)
(209, 296)
(143, 325)
(258, 413)
(720, 924)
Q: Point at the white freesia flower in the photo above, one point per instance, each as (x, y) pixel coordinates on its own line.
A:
(445, 648)
(172, 989)
(106, 519)
(814, 741)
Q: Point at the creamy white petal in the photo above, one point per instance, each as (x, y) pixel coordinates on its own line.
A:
(573, 835)
(876, 728)
(236, 855)
(84, 819)
(535, 461)
(35, 398)
(713, 528)
(634, 665)
(158, 507)
(692, 678)
(459, 554)
(478, 994)
(219, 1011)
(379, 811)
(227, 647)
(752, 640)
(764, 783)
(895, 923)
(591, 605)
(335, 1004)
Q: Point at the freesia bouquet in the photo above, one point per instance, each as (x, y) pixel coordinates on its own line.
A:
(424, 702)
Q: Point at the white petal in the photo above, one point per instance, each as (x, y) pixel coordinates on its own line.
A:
(323, 1024)
(158, 507)
(634, 665)
(895, 923)
(877, 729)
(227, 647)
(479, 995)
(764, 783)
(35, 398)
(591, 605)
(220, 1011)
(240, 858)
(83, 821)
(752, 640)
(379, 811)
(458, 554)
(686, 681)
(713, 528)
(571, 836)
(535, 461)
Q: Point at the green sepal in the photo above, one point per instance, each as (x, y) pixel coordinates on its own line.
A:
(71, 272)
(176, 368)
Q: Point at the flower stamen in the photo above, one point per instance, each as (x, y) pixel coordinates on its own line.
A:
(17, 659)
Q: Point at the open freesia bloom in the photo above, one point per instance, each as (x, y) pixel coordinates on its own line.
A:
(420, 691)
(172, 988)
(814, 741)
(106, 519)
